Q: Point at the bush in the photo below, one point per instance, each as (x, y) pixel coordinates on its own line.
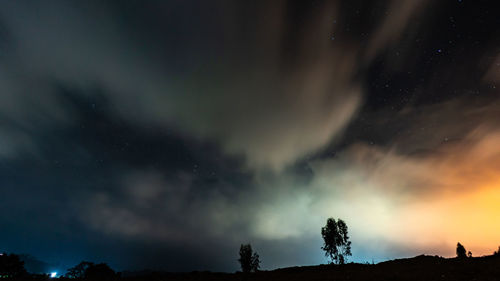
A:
(461, 252)
(100, 272)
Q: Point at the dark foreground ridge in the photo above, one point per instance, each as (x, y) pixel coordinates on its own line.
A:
(417, 268)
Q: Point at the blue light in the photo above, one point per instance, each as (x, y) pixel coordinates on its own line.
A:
(53, 274)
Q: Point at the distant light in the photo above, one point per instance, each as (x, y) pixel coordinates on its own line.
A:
(53, 274)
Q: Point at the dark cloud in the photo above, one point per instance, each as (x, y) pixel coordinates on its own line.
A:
(214, 82)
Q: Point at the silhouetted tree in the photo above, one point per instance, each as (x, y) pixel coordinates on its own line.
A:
(336, 240)
(469, 254)
(497, 252)
(248, 259)
(461, 251)
(11, 266)
(99, 271)
(78, 271)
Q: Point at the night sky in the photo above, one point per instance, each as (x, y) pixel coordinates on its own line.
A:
(164, 134)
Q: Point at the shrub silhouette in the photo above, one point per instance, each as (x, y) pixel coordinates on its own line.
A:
(249, 260)
(497, 252)
(336, 241)
(78, 271)
(11, 266)
(99, 271)
(461, 251)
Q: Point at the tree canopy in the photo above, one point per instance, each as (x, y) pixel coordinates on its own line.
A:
(249, 260)
(91, 271)
(336, 241)
(11, 265)
(78, 271)
(461, 252)
(497, 252)
(100, 271)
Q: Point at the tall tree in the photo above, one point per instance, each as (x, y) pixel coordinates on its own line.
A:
(336, 240)
(249, 260)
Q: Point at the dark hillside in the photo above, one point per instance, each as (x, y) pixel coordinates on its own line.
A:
(417, 268)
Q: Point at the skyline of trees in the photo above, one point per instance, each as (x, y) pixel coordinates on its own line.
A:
(335, 234)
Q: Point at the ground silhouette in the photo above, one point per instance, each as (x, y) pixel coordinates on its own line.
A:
(422, 267)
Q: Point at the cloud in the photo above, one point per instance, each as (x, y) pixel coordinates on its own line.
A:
(246, 95)
(420, 194)
(397, 17)
(148, 206)
(389, 195)
(265, 83)
(493, 73)
(262, 88)
(413, 199)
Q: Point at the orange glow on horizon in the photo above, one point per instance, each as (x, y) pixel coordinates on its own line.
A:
(420, 204)
(472, 219)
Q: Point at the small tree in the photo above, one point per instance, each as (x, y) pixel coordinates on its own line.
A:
(461, 251)
(497, 252)
(249, 260)
(336, 240)
(100, 271)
